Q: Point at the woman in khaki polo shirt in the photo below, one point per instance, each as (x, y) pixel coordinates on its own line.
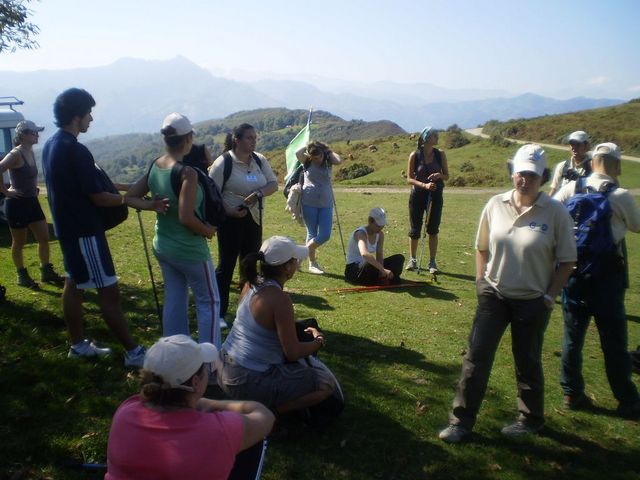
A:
(522, 236)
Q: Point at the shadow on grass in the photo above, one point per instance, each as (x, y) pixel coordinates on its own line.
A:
(633, 318)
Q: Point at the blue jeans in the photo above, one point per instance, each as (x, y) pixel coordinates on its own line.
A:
(604, 300)
(318, 221)
(200, 277)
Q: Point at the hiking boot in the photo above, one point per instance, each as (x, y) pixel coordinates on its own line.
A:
(411, 265)
(49, 275)
(315, 268)
(25, 280)
(135, 358)
(433, 267)
(577, 401)
(629, 411)
(454, 434)
(87, 349)
(520, 428)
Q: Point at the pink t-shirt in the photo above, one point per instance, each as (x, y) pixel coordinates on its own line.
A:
(148, 444)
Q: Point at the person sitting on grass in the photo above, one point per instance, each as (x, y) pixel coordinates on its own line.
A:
(262, 352)
(170, 431)
(366, 264)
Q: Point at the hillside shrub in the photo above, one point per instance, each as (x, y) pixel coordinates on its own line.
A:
(457, 181)
(467, 166)
(499, 141)
(455, 139)
(355, 170)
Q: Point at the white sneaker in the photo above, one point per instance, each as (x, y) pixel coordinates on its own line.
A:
(223, 324)
(315, 268)
(135, 358)
(412, 265)
(433, 267)
(87, 349)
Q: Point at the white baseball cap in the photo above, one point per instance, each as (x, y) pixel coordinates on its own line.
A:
(278, 250)
(27, 126)
(379, 216)
(607, 148)
(578, 136)
(179, 122)
(530, 158)
(177, 358)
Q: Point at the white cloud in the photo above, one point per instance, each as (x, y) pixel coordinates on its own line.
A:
(635, 88)
(598, 80)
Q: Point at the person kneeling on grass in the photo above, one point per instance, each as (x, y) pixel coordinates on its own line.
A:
(366, 264)
(170, 431)
(263, 359)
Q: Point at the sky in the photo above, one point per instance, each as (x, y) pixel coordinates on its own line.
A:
(558, 48)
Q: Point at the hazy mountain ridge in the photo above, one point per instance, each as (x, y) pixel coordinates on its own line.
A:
(134, 95)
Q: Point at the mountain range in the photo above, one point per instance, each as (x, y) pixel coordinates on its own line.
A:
(134, 95)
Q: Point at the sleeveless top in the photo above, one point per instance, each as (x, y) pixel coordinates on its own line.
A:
(24, 179)
(172, 239)
(250, 344)
(353, 252)
(422, 170)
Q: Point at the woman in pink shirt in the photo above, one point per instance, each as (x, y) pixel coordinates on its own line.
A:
(170, 431)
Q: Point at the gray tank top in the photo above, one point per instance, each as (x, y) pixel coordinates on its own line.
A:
(24, 179)
(250, 344)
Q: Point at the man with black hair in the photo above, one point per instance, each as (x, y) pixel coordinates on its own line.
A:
(576, 166)
(597, 288)
(75, 193)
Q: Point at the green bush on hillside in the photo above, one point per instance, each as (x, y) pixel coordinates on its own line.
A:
(499, 141)
(354, 171)
(455, 139)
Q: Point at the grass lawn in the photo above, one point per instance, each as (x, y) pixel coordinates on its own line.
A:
(397, 354)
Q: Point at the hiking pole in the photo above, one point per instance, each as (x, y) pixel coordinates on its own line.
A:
(146, 253)
(335, 207)
(260, 215)
(425, 234)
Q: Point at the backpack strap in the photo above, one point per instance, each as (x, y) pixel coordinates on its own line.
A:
(580, 186)
(228, 166)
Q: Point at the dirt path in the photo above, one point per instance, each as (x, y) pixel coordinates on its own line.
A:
(478, 133)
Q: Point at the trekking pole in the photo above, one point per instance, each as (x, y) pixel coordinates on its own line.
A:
(335, 207)
(260, 215)
(425, 234)
(146, 253)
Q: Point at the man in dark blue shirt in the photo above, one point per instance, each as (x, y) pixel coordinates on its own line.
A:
(75, 193)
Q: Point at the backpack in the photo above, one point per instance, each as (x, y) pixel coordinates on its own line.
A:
(214, 213)
(591, 213)
(569, 173)
(110, 216)
(296, 177)
(228, 166)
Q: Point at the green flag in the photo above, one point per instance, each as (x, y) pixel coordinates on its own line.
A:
(299, 141)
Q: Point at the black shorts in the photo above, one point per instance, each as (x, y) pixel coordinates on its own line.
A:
(87, 261)
(22, 212)
(418, 202)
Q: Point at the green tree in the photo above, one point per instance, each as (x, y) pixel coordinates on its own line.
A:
(15, 31)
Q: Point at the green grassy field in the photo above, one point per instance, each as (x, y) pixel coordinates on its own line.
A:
(397, 354)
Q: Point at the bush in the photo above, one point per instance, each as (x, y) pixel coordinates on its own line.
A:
(457, 181)
(467, 167)
(353, 171)
(455, 139)
(499, 141)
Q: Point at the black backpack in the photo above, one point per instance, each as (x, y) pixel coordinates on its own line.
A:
(296, 177)
(214, 213)
(110, 216)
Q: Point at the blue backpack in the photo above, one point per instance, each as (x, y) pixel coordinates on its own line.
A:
(591, 213)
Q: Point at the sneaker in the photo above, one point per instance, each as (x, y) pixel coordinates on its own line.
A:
(49, 275)
(135, 357)
(412, 264)
(520, 428)
(576, 402)
(25, 280)
(315, 268)
(629, 411)
(87, 349)
(223, 324)
(454, 434)
(433, 267)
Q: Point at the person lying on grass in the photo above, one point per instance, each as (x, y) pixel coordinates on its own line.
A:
(170, 431)
(262, 356)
